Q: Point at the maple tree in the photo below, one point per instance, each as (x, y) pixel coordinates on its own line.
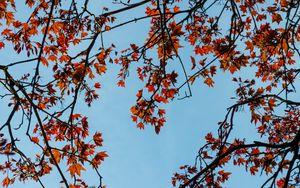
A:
(257, 36)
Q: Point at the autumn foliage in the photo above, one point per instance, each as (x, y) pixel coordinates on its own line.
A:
(60, 51)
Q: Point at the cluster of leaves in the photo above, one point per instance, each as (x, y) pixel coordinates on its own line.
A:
(62, 136)
(260, 37)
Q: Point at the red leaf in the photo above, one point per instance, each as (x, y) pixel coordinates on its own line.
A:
(140, 125)
(98, 139)
(97, 85)
(35, 140)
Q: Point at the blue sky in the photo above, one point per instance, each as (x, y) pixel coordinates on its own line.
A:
(140, 158)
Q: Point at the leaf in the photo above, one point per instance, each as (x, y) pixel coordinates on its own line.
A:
(249, 46)
(151, 88)
(140, 125)
(57, 155)
(284, 3)
(285, 46)
(276, 18)
(75, 168)
(253, 170)
(101, 56)
(5, 182)
(2, 45)
(41, 105)
(255, 151)
(280, 183)
(101, 156)
(232, 69)
(9, 16)
(97, 85)
(209, 82)
(52, 58)
(44, 61)
(98, 139)
(100, 68)
(30, 3)
(193, 62)
(35, 139)
(121, 83)
(134, 118)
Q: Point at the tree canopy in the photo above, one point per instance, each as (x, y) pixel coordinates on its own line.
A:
(61, 50)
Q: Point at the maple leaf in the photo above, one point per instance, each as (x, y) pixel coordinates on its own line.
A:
(151, 88)
(134, 118)
(97, 85)
(101, 56)
(100, 68)
(193, 62)
(285, 46)
(64, 58)
(280, 183)
(41, 105)
(284, 3)
(121, 83)
(57, 155)
(44, 61)
(253, 170)
(6, 182)
(176, 29)
(52, 58)
(35, 139)
(75, 168)
(249, 46)
(232, 69)
(209, 82)
(140, 125)
(9, 16)
(276, 18)
(98, 139)
(2, 45)
(30, 3)
(101, 156)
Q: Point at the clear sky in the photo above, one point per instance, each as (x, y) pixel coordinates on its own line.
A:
(140, 158)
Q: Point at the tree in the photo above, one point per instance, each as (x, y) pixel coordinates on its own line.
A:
(260, 37)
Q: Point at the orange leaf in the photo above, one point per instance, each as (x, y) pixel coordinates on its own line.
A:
(121, 83)
(209, 82)
(6, 182)
(98, 139)
(100, 68)
(44, 61)
(101, 156)
(285, 46)
(35, 140)
(140, 125)
(41, 105)
(57, 155)
(193, 62)
(52, 58)
(101, 56)
(9, 16)
(255, 151)
(75, 169)
(232, 69)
